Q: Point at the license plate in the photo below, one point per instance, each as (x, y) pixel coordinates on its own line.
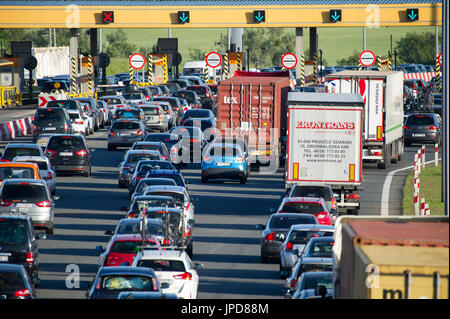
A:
(66, 154)
(418, 135)
(50, 129)
(24, 205)
(223, 164)
(123, 134)
(4, 258)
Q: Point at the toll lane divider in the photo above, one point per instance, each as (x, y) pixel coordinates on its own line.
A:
(16, 128)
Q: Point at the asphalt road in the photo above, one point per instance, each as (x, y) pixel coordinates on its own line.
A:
(226, 241)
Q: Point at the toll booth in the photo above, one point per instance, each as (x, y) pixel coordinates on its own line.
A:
(231, 62)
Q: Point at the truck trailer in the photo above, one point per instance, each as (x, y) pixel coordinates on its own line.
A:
(383, 98)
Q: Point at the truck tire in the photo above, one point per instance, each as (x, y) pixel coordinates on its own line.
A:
(386, 158)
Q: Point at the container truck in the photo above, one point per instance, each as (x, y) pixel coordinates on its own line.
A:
(383, 98)
(324, 144)
(397, 257)
(253, 105)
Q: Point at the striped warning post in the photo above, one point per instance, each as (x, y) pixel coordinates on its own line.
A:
(390, 63)
(206, 70)
(150, 68)
(73, 78)
(165, 67)
(302, 70)
(315, 61)
(379, 62)
(90, 73)
(225, 66)
(239, 61)
(438, 75)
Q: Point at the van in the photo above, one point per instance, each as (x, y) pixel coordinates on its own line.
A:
(51, 120)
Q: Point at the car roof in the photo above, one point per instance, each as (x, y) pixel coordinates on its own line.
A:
(132, 237)
(317, 273)
(291, 215)
(165, 171)
(309, 184)
(317, 260)
(18, 164)
(322, 239)
(138, 220)
(126, 120)
(150, 197)
(142, 152)
(117, 270)
(24, 180)
(22, 145)
(31, 158)
(14, 217)
(166, 254)
(304, 200)
(171, 188)
(149, 143)
(312, 227)
(11, 268)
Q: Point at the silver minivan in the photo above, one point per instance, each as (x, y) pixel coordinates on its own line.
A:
(155, 117)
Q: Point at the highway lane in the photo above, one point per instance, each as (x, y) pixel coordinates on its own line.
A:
(225, 238)
(15, 113)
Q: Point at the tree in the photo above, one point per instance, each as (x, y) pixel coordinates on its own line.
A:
(350, 60)
(118, 44)
(417, 48)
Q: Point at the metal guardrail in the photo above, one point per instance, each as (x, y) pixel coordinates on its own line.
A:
(9, 96)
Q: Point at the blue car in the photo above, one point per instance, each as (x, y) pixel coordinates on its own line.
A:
(225, 160)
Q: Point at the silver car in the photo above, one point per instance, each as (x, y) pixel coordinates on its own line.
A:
(296, 240)
(168, 112)
(124, 133)
(130, 160)
(143, 183)
(315, 189)
(30, 197)
(155, 118)
(45, 169)
(134, 99)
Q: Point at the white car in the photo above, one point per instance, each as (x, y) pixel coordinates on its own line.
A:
(45, 169)
(296, 240)
(173, 267)
(79, 125)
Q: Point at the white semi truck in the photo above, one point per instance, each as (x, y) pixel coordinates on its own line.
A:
(324, 144)
(382, 93)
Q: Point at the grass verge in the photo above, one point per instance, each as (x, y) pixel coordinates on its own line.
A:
(430, 189)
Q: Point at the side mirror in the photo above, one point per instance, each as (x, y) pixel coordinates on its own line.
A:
(36, 281)
(55, 197)
(109, 232)
(198, 266)
(194, 199)
(295, 252)
(188, 181)
(99, 249)
(41, 235)
(260, 227)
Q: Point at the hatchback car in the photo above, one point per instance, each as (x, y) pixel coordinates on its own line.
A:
(30, 197)
(145, 166)
(45, 169)
(79, 125)
(172, 142)
(296, 240)
(174, 268)
(69, 105)
(205, 94)
(225, 161)
(51, 120)
(18, 240)
(321, 190)
(15, 282)
(198, 113)
(307, 205)
(96, 113)
(318, 247)
(20, 149)
(69, 154)
(157, 146)
(114, 101)
(206, 125)
(129, 114)
(274, 232)
(309, 284)
(154, 117)
(124, 133)
(192, 140)
(109, 282)
(130, 161)
(423, 128)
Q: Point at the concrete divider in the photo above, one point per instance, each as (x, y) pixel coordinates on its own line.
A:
(16, 128)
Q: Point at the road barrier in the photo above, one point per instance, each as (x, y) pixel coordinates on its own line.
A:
(422, 208)
(9, 96)
(426, 76)
(16, 128)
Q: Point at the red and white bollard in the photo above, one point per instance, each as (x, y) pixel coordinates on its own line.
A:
(416, 202)
(423, 157)
(419, 156)
(422, 206)
(427, 210)
(436, 155)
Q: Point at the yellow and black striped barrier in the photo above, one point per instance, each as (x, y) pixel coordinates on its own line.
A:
(239, 61)
(149, 68)
(225, 66)
(302, 71)
(206, 71)
(379, 62)
(438, 75)
(131, 72)
(90, 73)
(73, 77)
(165, 68)
(315, 61)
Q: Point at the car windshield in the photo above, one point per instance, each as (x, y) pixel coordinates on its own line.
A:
(288, 221)
(16, 172)
(313, 282)
(127, 282)
(67, 104)
(74, 116)
(150, 111)
(10, 281)
(303, 236)
(302, 208)
(420, 120)
(66, 143)
(48, 116)
(24, 192)
(154, 181)
(12, 152)
(314, 267)
(132, 96)
(311, 191)
(162, 265)
(177, 178)
(135, 228)
(321, 249)
(12, 232)
(134, 158)
(125, 125)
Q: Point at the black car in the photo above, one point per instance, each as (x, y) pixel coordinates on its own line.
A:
(69, 105)
(51, 120)
(18, 242)
(69, 153)
(198, 113)
(192, 140)
(205, 94)
(15, 283)
(172, 142)
(205, 124)
(190, 96)
(109, 282)
(423, 128)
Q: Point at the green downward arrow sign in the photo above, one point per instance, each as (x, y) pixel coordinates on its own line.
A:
(335, 16)
(259, 17)
(183, 17)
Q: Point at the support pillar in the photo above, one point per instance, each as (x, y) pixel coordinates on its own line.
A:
(73, 53)
(298, 50)
(313, 45)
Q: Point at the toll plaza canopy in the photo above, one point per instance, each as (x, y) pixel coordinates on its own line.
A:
(218, 13)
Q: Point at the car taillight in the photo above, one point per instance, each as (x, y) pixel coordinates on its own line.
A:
(208, 95)
(184, 276)
(5, 203)
(289, 246)
(270, 236)
(139, 133)
(34, 128)
(166, 241)
(79, 122)
(49, 175)
(111, 133)
(333, 203)
(195, 140)
(376, 153)
(239, 159)
(292, 283)
(22, 293)
(195, 106)
(176, 108)
(44, 203)
(4, 160)
(406, 127)
(321, 215)
(49, 152)
(352, 196)
(66, 127)
(207, 158)
(185, 109)
(112, 258)
(433, 127)
(131, 215)
(81, 153)
(188, 232)
(30, 257)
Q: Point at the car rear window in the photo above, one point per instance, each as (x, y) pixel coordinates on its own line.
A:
(127, 247)
(148, 147)
(74, 116)
(314, 267)
(420, 120)
(188, 96)
(306, 191)
(12, 232)
(135, 228)
(10, 281)
(287, 221)
(66, 104)
(163, 265)
(224, 151)
(12, 152)
(321, 249)
(127, 282)
(172, 102)
(48, 116)
(186, 130)
(147, 166)
(177, 197)
(125, 126)
(200, 90)
(139, 205)
(178, 180)
(157, 181)
(132, 96)
(313, 282)
(302, 208)
(16, 172)
(149, 111)
(202, 124)
(174, 218)
(127, 114)
(303, 236)
(134, 158)
(24, 192)
(112, 101)
(69, 143)
(197, 113)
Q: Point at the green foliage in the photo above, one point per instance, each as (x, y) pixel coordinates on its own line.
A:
(417, 48)
(350, 60)
(118, 45)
